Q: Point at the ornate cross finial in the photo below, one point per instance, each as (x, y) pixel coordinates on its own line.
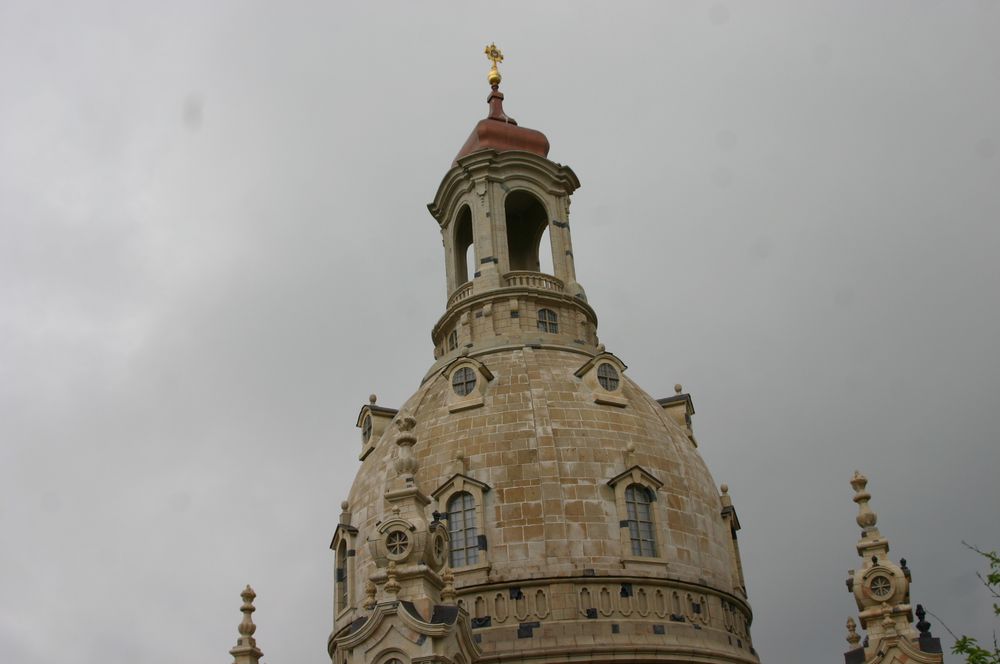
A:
(495, 55)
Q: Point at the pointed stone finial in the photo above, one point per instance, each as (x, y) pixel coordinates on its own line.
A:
(448, 591)
(405, 463)
(247, 628)
(866, 517)
(852, 633)
(724, 497)
(392, 585)
(678, 388)
(345, 513)
(370, 590)
(246, 650)
(372, 399)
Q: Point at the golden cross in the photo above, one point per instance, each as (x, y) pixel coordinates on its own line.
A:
(494, 54)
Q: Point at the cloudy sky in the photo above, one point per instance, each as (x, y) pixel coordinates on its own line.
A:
(214, 246)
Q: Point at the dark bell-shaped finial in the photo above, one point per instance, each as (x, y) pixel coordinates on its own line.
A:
(906, 570)
(874, 560)
(923, 626)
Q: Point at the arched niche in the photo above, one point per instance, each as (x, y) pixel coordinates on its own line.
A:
(463, 246)
(527, 220)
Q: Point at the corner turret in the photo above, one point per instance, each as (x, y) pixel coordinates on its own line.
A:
(881, 589)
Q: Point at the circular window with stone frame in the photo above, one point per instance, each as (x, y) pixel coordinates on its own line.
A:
(366, 429)
(397, 544)
(463, 381)
(880, 586)
(608, 376)
(439, 549)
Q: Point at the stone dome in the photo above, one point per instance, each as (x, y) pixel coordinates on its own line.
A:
(547, 451)
(548, 457)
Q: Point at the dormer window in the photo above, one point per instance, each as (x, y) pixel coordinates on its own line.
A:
(607, 376)
(463, 381)
(373, 421)
(468, 379)
(635, 497)
(603, 374)
(548, 321)
(462, 499)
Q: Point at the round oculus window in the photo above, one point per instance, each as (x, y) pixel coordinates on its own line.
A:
(463, 381)
(440, 549)
(880, 586)
(607, 376)
(397, 543)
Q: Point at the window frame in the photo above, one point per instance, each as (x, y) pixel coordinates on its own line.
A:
(641, 523)
(615, 378)
(344, 537)
(466, 511)
(464, 381)
(459, 483)
(547, 320)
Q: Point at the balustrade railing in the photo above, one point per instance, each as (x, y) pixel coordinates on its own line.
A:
(528, 279)
(518, 278)
(460, 293)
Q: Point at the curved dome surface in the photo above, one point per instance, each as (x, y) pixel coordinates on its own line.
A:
(541, 454)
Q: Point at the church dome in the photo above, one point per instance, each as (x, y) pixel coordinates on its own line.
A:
(545, 453)
(530, 501)
(541, 471)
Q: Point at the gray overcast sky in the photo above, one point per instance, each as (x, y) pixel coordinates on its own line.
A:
(214, 246)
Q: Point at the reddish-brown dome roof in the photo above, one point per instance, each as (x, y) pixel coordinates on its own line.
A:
(500, 132)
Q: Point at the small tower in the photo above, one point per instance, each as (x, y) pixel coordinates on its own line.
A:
(409, 599)
(882, 591)
(494, 207)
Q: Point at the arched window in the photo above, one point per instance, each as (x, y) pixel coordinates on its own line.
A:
(462, 530)
(638, 503)
(341, 577)
(548, 321)
(463, 242)
(526, 223)
(453, 340)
